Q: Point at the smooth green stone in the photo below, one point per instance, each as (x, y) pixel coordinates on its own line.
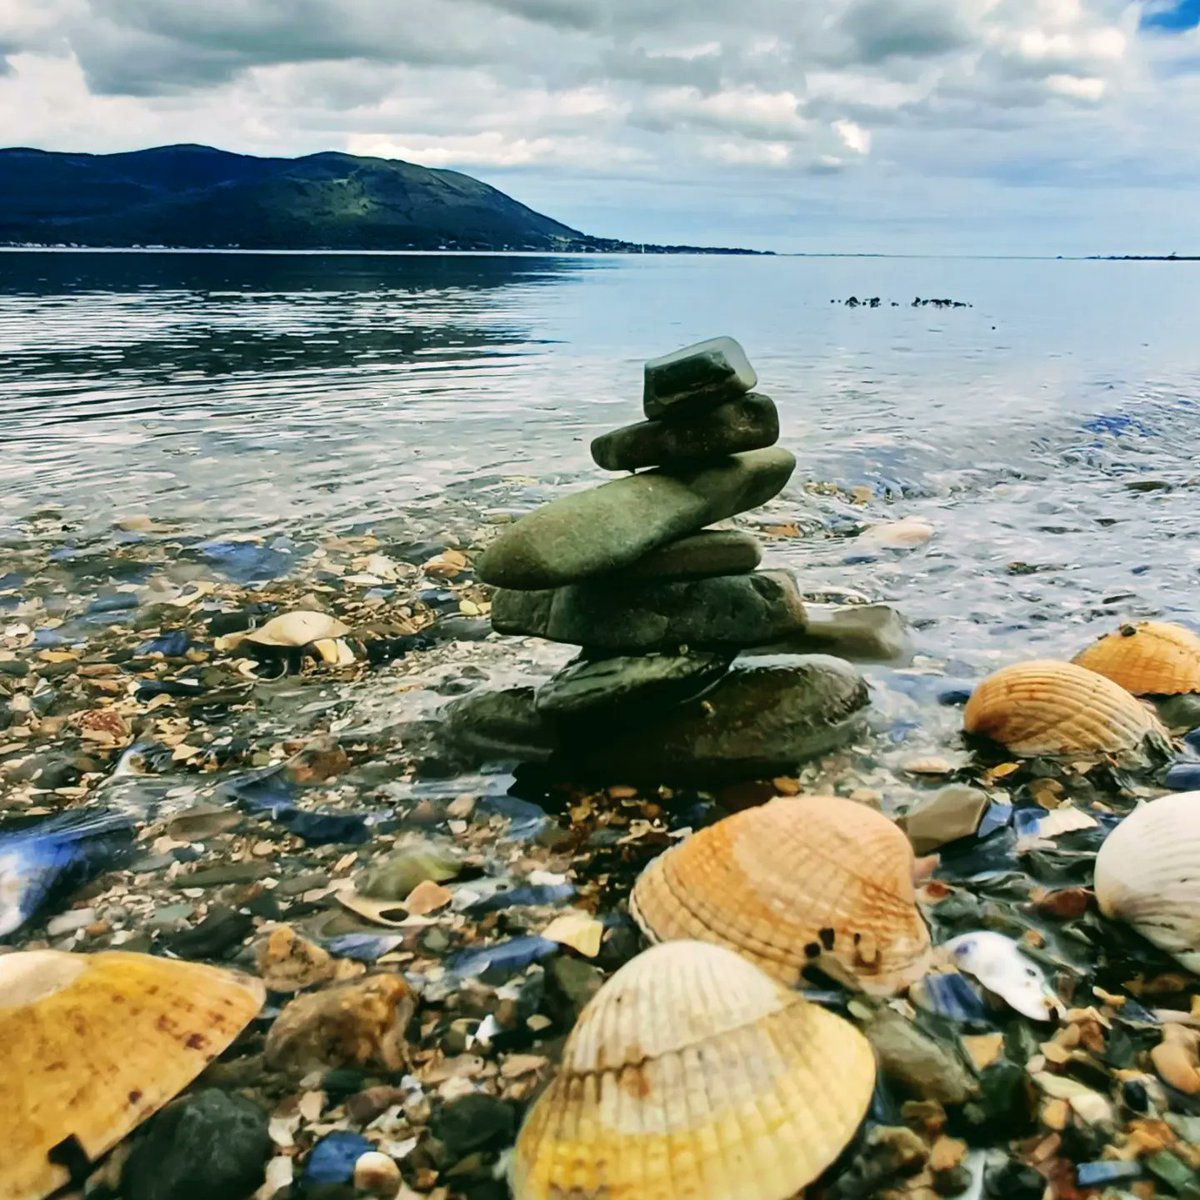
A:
(748, 422)
(396, 876)
(605, 528)
(710, 552)
(724, 613)
(696, 378)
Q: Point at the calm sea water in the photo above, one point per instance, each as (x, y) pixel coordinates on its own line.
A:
(280, 395)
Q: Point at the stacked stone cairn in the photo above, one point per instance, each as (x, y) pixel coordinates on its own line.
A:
(661, 605)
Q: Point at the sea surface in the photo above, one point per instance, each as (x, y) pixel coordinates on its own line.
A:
(1047, 430)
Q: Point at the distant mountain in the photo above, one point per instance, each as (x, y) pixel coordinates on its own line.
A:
(195, 196)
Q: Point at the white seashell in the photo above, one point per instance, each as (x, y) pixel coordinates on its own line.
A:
(1148, 875)
(997, 962)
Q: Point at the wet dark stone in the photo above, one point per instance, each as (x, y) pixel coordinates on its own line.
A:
(1014, 1182)
(58, 772)
(471, 1123)
(695, 378)
(218, 933)
(208, 1146)
(15, 667)
(570, 984)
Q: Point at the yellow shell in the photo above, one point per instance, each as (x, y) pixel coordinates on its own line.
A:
(1153, 658)
(92, 1044)
(791, 882)
(298, 629)
(1148, 875)
(1047, 707)
(692, 1074)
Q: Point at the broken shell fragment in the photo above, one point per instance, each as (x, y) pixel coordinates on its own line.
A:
(1152, 658)
(1046, 707)
(691, 1073)
(93, 1044)
(1148, 875)
(997, 962)
(296, 629)
(798, 882)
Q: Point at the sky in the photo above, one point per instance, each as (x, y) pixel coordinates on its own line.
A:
(890, 126)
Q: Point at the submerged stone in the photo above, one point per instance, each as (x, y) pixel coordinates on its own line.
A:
(609, 527)
(705, 554)
(629, 687)
(727, 612)
(502, 726)
(756, 722)
(748, 422)
(952, 813)
(696, 378)
(873, 633)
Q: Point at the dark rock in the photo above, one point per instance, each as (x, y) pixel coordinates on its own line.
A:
(632, 687)
(502, 726)
(696, 378)
(730, 612)
(218, 933)
(872, 633)
(473, 1122)
(14, 667)
(57, 773)
(1013, 1181)
(570, 984)
(241, 872)
(749, 422)
(710, 552)
(756, 722)
(208, 1146)
(609, 527)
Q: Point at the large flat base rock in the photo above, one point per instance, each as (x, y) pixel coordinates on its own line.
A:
(725, 613)
(756, 722)
(749, 422)
(605, 528)
(701, 556)
(629, 688)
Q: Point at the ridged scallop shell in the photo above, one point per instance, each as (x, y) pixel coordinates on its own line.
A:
(1153, 658)
(1047, 707)
(692, 1074)
(1148, 875)
(93, 1044)
(791, 882)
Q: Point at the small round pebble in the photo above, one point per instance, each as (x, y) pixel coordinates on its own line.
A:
(377, 1173)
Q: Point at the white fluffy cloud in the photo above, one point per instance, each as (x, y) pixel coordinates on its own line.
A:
(794, 124)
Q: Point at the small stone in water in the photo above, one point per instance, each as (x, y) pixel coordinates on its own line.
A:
(427, 897)
(696, 378)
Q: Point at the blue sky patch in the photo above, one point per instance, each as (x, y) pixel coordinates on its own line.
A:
(1172, 18)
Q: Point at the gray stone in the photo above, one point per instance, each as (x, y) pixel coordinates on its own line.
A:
(710, 552)
(501, 726)
(206, 1146)
(755, 723)
(872, 633)
(748, 422)
(729, 612)
(630, 687)
(395, 876)
(570, 984)
(953, 812)
(696, 378)
(474, 1122)
(238, 872)
(609, 527)
(927, 1069)
(1179, 712)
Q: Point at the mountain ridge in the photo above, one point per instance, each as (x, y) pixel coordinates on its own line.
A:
(201, 197)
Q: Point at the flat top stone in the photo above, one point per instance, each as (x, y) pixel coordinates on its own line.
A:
(605, 528)
(709, 552)
(695, 378)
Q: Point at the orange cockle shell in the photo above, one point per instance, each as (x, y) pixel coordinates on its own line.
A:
(1152, 658)
(1049, 707)
(93, 1044)
(693, 1074)
(815, 877)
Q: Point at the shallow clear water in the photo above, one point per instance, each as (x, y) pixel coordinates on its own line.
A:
(286, 394)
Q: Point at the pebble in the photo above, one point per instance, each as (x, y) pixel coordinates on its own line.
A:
(377, 1174)
(209, 1144)
(951, 813)
(289, 962)
(70, 921)
(924, 1067)
(395, 877)
(427, 897)
(696, 378)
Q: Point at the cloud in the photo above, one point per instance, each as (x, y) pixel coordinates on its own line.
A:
(768, 119)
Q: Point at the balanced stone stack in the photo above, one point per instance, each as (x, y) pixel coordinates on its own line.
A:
(660, 604)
